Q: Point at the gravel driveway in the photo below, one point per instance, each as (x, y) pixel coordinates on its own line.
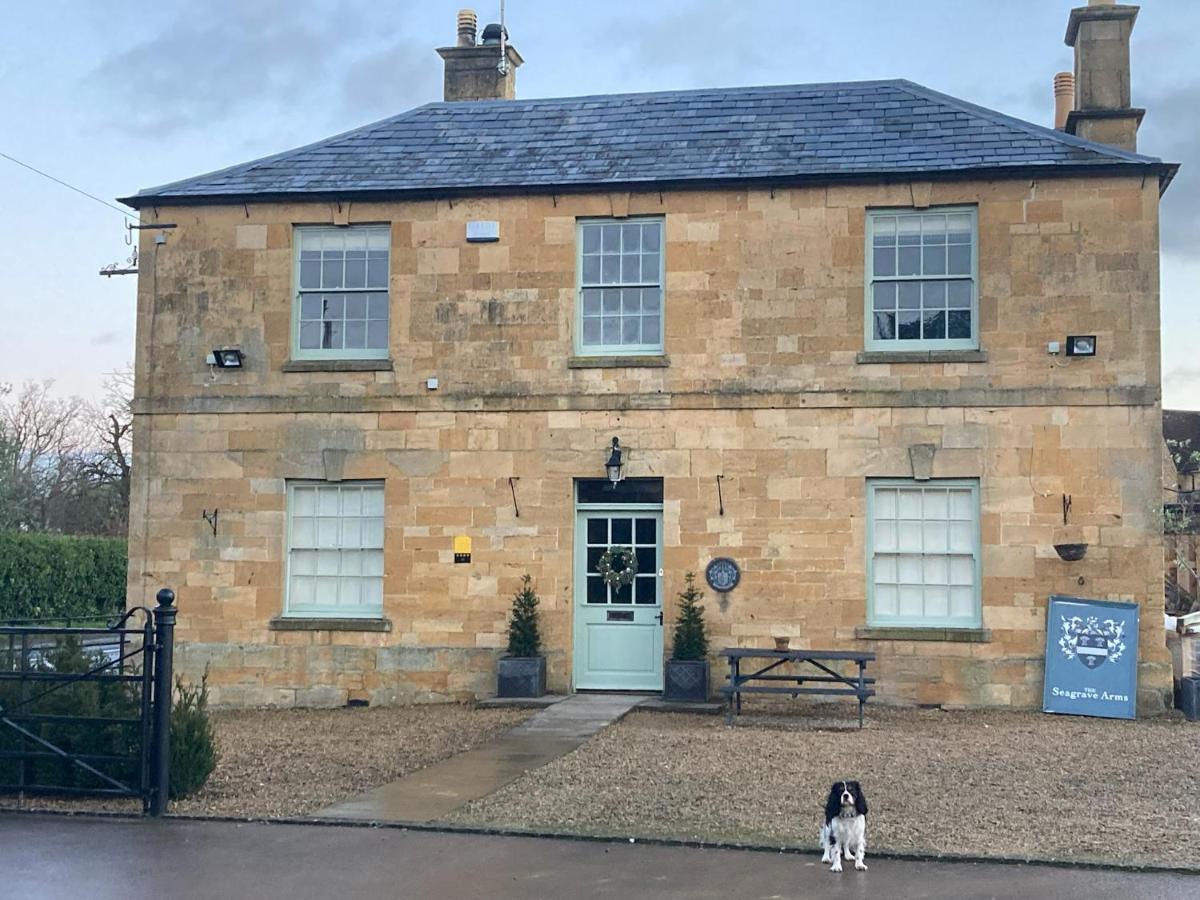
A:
(987, 783)
(291, 762)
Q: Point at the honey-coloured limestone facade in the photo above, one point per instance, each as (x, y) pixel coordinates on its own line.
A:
(769, 421)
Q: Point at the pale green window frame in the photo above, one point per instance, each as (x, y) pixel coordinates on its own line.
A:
(370, 294)
(939, 283)
(334, 549)
(647, 285)
(932, 570)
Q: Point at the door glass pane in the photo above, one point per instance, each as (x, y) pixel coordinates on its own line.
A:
(596, 591)
(597, 531)
(644, 591)
(647, 559)
(622, 531)
(593, 558)
(645, 531)
(623, 594)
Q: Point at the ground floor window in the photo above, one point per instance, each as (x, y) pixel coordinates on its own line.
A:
(923, 553)
(335, 549)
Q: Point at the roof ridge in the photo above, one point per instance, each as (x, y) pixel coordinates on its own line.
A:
(816, 85)
(919, 90)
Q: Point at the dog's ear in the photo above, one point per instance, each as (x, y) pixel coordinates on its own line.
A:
(833, 804)
(860, 799)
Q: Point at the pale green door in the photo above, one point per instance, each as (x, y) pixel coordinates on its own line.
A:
(618, 632)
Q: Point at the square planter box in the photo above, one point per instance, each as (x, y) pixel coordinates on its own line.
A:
(686, 680)
(521, 676)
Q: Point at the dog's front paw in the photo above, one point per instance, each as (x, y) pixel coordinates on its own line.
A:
(825, 855)
(860, 865)
(837, 864)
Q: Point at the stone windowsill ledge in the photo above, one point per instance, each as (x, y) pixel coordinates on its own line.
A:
(618, 362)
(869, 357)
(337, 365)
(958, 635)
(297, 623)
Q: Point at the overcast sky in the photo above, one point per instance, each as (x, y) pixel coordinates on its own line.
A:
(121, 95)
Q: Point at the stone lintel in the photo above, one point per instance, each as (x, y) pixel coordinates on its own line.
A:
(618, 362)
(297, 623)
(954, 635)
(873, 357)
(337, 365)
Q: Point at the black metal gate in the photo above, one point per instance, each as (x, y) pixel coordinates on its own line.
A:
(85, 709)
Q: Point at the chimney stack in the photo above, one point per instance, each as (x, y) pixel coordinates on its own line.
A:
(474, 71)
(1064, 98)
(1099, 34)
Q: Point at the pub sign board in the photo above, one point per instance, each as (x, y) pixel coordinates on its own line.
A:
(1091, 658)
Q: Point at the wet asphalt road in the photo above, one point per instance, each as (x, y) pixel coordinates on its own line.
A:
(50, 857)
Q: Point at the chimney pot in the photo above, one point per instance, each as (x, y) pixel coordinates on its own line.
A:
(1064, 98)
(466, 27)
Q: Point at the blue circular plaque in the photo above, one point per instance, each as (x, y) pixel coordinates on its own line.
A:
(723, 574)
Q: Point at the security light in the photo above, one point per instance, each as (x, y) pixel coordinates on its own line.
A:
(1081, 345)
(227, 358)
(613, 466)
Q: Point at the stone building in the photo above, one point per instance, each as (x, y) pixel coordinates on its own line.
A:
(379, 377)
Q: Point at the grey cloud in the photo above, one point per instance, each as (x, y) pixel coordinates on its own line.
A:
(107, 337)
(707, 42)
(1172, 130)
(218, 60)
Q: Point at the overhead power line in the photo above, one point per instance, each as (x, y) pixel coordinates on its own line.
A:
(72, 187)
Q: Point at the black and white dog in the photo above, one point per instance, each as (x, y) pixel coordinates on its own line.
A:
(845, 830)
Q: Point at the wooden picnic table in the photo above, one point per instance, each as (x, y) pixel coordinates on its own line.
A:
(765, 679)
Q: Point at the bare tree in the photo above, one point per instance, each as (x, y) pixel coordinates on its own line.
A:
(64, 463)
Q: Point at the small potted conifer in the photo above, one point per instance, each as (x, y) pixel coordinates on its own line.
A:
(522, 673)
(687, 669)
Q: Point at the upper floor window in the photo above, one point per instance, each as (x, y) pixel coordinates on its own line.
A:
(620, 286)
(342, 292)
(923, 553)
(922, 274)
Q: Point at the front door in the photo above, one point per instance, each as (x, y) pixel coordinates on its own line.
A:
(618, 631)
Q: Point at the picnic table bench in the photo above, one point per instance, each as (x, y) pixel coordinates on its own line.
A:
(765, 680)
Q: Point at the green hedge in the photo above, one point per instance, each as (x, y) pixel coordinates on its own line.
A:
(48, 575)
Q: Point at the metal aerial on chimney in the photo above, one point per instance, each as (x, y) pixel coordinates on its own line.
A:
(502, 66)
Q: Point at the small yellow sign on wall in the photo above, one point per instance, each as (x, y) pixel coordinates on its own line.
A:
(462, 548)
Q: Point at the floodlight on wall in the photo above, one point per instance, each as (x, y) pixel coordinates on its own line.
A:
(614, 466)
(226, 358)
(1081, 345)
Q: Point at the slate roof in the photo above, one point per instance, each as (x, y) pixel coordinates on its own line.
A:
(792, 132)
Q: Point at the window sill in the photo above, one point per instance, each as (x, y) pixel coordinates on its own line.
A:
(907, 633)
(313, 623)
(618, 362)
(868, 357)
(337, 365)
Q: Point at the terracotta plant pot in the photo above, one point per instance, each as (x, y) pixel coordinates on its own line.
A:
(781, 643)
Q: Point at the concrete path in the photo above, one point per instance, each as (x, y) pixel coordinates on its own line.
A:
(431, 793)
(56, 857)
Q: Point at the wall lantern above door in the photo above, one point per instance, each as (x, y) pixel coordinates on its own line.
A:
(613, 466)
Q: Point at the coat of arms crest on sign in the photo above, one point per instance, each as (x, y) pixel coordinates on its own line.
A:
(1091, 641)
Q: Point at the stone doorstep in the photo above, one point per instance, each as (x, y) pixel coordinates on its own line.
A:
(520, 702)
(706, 708)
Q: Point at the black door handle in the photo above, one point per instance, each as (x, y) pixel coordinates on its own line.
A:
(659, 617)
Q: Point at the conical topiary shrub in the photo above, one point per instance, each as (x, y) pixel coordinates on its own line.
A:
(522, 673)
(691, 634)
(686, 672)
(524, 640)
